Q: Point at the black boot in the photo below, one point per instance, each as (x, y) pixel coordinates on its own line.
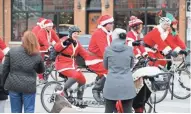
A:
(80, 94)
(98, 88)
(68, 85)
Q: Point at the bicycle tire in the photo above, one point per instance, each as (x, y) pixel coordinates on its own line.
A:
(150, 108)
(42, 94)
(160, 99)
(182, 85)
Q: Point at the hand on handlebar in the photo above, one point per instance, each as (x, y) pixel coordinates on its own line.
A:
(183, 52)
(136, 43)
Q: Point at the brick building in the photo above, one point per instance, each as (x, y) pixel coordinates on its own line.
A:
(19, 15)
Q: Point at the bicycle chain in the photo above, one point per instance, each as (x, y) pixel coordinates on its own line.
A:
(84, 103)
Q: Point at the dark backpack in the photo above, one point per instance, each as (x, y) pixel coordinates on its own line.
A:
(53, 53)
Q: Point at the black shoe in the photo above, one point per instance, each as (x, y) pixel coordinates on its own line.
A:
(80, 103)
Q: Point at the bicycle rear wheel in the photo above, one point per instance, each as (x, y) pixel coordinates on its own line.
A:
(181, 83)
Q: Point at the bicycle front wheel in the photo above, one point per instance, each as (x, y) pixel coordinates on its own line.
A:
(181, 84)
(47, 97)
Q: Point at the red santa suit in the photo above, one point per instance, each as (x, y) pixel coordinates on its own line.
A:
(3, 50)
(46, 39)
(156, 39)
(176, 40)
(138, 50)
(67, 65)
(171, 42)
(100, 39)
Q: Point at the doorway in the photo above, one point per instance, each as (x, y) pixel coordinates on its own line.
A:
(93, 12)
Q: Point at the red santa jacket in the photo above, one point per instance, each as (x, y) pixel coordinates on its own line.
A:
(3, 49)
(99, 41)
(156, 38)
(36, 29)
(170, 41)
(46, 39)
(177, 42)
(63, 63)
(138, 50)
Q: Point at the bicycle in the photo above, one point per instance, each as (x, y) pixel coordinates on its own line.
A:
(179, 67)
(50, 95)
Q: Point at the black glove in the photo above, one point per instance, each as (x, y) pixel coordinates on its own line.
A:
(171, 53)
(141, 59)
(168, 56)
(183, 52)
(67, 42)
(136, 43)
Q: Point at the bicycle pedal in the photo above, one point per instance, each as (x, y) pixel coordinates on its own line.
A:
(81, 105)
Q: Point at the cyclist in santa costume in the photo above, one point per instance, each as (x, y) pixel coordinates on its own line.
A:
(157, 39)
(136, 26)
(65, 62)
(100, 39)
(46, 38)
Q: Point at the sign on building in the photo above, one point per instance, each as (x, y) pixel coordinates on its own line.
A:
(188, 9)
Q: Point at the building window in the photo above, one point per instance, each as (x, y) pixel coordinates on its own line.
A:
(25, 14)
(146, 10)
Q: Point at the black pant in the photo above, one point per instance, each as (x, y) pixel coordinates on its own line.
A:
(110, 106)
(142, 97)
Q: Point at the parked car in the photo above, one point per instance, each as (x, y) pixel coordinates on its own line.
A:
(63, 30)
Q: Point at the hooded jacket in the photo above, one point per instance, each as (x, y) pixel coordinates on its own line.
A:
(118, 59)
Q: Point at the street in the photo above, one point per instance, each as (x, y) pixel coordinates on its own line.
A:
(166, 106)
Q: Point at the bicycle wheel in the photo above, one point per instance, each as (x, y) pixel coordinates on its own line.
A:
(148, 107)
(182, 79)
(47, 98)
(160, 96)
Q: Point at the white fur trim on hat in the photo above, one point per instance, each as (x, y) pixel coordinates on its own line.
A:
(166, 50)
(41, 24)
(48, 24)
(110, 20)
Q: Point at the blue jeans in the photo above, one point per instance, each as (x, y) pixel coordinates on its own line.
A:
(17, 100)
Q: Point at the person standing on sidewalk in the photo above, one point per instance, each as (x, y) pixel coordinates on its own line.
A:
(119, 85)
(19, 73)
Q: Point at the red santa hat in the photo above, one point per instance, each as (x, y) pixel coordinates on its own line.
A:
(134, 21)
(105, 19)
(48, 23)
(41, 21)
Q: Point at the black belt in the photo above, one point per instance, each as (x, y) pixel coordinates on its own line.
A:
(146, 45)
(69, 56)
